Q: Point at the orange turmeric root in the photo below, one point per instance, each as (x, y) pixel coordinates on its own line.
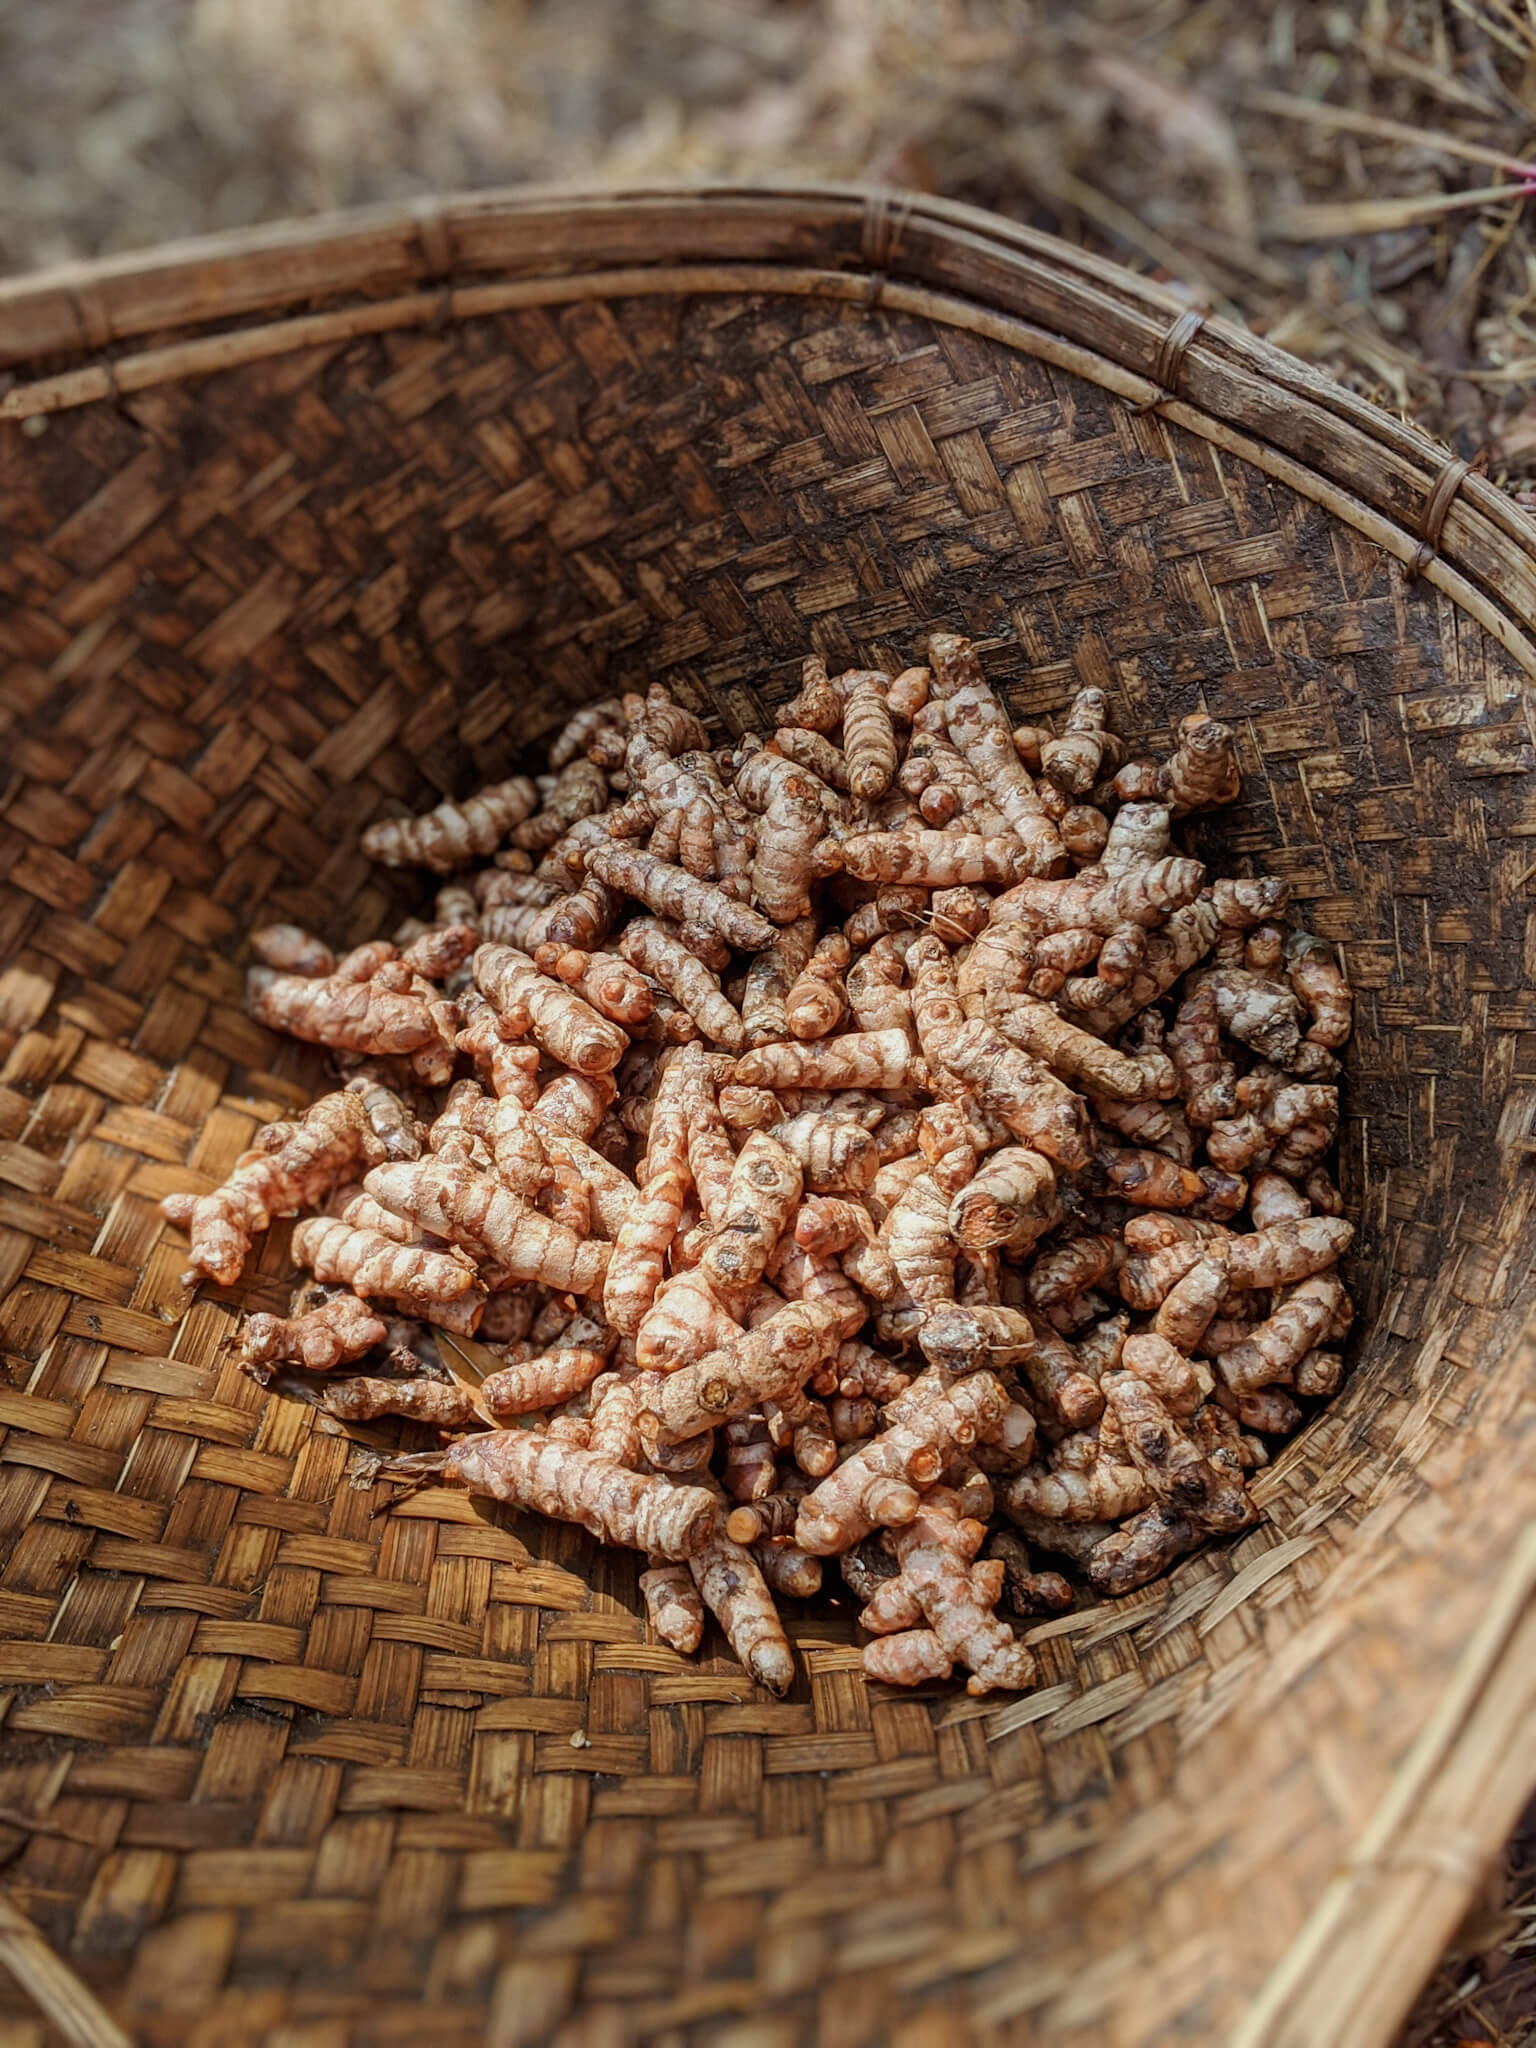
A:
(373, 1264)
(291, 950)
(955, 1596)
(857, 1059)
(530, 1003)
(567, 1484)
(765, 1186)
(674, 1606)
(673, 893)
(1086, 751)
(471, 1210)
(645, 1238)
(455, 833)
(311, 1157)
(542, 1382)
(439, 1403)
(1010, 1201)
(736, 1593)
(319, 1340)
(613, 988)
(772, 974)
(817, 1001)
(878, 1485)
(762, 1364)
(352, 1016)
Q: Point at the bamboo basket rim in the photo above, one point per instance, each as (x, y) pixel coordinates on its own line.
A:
(86, 332)
(1141, 339)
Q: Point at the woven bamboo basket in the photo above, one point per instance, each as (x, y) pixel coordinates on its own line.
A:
(301, 522)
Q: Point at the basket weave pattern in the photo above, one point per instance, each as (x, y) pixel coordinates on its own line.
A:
(268, 1764)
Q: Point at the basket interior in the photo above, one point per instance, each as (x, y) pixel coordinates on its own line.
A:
(267, 1763)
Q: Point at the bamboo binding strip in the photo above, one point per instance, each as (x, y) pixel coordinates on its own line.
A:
(300, 524)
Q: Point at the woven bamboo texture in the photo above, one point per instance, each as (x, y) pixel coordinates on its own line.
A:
(297, 524)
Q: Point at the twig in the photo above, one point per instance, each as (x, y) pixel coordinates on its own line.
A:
(1501, 36)
(1292, 107)
(1331, 219)
(1387, 57)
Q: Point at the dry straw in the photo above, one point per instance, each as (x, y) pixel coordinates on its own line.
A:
(295, 522)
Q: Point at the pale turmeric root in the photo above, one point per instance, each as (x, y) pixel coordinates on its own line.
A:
(767, 1363)
(438, 1403)
(1321, 989)
(319, 1340)
(1086, 751)
(473, 1211)
(980, 729)
(1306, 1319)
(869, 738)
(1061, 1391)
(671, 892)
(1203, 770)
(648, 946)
(567, 1484)
(954, 1595)
(613, 988)
(764, 1188)
(674, 1606)
(917, 1237)
(857, 1059)
(352, 1016)
(542, 1382)
(373, 1264)
(913, 1657)
(1104, 1490)
(834, 1157)
(684, 1322)
(527, 1002)
(936, 860)
(510, 1068)
(390, 1120)
(1174, 1466)
(786, 860)
(817, 1002)
(735, 1592)
(951, 1139)
(291, 950)
(813, 752)
(299, 1173)
(582, 727)
(640, 1251)
(773, 972)
(1010, 1201)
(1078, 1055)
(580, 791)
(454, 833)
(878, 1485)
(829, 1224)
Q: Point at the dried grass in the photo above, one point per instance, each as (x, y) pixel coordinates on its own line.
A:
(1344, 177)
(1319, 170)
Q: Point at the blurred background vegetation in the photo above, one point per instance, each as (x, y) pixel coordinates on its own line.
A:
(1345, 176)
(1341, 174)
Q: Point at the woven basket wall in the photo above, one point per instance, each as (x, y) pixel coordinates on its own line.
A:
(296, 523)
